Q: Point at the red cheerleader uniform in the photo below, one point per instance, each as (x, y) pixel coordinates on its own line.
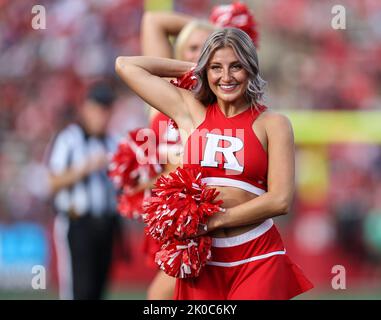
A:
(167, 140)
(255, 264)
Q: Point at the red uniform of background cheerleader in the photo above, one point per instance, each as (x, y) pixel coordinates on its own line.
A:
(252, 265)
(167, 144)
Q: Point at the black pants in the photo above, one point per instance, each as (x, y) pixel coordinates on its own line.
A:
(90, 242)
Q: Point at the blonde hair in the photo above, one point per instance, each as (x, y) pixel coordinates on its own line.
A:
(185, 33)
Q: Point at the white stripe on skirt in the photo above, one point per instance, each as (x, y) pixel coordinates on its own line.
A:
(239, 262)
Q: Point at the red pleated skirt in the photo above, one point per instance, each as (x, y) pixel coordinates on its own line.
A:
(250, 266)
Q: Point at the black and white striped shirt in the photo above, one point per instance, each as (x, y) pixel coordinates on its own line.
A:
(95, 194)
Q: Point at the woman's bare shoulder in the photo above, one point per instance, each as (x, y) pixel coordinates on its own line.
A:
(273, 120)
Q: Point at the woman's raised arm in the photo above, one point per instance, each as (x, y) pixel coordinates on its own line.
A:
(157, 27)
(144, 76)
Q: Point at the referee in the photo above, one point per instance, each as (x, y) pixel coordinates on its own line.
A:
(84, 198)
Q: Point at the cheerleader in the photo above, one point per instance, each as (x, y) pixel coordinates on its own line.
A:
(246, 152)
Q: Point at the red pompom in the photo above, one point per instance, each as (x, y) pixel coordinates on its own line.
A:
(180, 202)
(123, 165)
(185, 258)
(130, 205)
(235, 15)
(130, 165)
(187, 81)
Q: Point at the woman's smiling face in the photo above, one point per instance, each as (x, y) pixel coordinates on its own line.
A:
(226, 77)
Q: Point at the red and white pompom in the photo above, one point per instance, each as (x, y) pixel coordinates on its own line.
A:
(187, 81)
(123, 165)
(130, 205)
(179, 204)
(131, 165)
(235, 15)
(184, 258)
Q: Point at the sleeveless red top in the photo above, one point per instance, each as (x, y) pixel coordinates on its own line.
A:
(227, 150)
(167, 136)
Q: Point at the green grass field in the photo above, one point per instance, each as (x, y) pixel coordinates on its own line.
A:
(136, 294)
